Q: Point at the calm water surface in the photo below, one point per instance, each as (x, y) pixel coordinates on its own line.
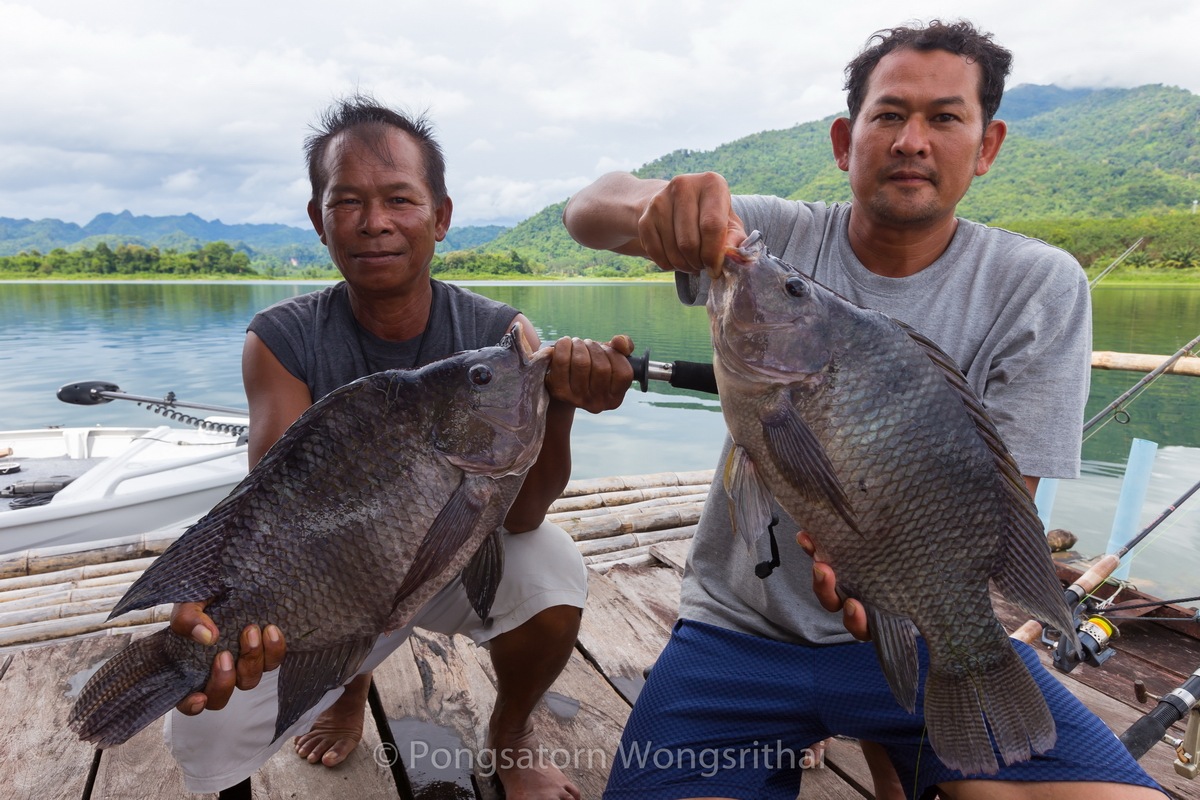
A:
(154, 338)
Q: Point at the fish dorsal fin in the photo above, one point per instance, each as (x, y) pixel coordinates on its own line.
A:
(450, 531)
(481, 577)
(1024, 574)
(1015, 490)
(799, 454)
(190, 569)
(305, 677)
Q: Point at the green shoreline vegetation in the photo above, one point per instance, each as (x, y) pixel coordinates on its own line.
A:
(1170, 254)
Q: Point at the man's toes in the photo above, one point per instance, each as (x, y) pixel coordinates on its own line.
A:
(337, 753)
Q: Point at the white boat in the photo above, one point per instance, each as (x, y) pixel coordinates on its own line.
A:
(104, 482)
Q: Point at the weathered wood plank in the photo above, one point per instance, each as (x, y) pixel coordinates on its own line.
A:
(841, 773)
(437, 698)
(364, 775)
(142, 767)
(620, 639)
(653, 590)
(674, 554)
(448, 684)
(39, 755)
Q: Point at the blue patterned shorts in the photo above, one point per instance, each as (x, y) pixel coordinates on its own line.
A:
(728, 714)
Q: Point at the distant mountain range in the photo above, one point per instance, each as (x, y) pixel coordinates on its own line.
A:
(190, 232)
(1070, 153)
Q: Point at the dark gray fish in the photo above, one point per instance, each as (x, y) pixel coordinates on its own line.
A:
(869, 437)
(371, 502)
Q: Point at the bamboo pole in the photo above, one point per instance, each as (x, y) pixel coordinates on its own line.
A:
(619, 483)
(1144, 362)
(61, 593)
(634, 542)
(44, 630)
(53, 559)
(87, 575)
(616, 524)
(562, 517)
(603, 500)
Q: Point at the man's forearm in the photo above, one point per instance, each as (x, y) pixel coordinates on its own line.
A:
(604, 215)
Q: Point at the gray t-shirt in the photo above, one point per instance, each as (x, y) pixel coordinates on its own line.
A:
(1013, 312)
(316, 338)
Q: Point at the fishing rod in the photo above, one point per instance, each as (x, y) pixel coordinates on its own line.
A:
(1114, 264)
(1096, 632)
(694, 375)
(1151, 376)
(92, 393)
(1152, 728)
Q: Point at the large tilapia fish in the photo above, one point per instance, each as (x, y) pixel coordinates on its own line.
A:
(869, 437)
(370, 503)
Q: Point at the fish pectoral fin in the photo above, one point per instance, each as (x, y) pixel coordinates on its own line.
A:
(797, 452)
(749, 500)
(450, 531)
(305, 677)
(481, 576)
(895, 640)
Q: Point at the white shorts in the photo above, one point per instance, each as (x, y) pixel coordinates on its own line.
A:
(219, 749)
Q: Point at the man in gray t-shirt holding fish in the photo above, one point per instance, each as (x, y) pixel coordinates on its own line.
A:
(760, 664)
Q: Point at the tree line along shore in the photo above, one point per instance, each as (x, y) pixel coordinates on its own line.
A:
(1169, 253)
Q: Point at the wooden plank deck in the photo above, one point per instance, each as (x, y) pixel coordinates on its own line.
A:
(432, 698)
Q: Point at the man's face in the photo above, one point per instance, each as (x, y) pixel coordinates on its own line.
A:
(377, 214)
(918, 140)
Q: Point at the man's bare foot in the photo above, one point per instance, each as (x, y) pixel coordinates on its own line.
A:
(339, 728)
(527, 771)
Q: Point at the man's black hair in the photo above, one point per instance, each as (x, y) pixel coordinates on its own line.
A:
(369, 120)
(960, 38)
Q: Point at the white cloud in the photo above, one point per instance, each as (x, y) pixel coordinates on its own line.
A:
(166, 108)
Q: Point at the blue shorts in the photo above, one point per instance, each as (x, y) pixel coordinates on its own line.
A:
(728, 714)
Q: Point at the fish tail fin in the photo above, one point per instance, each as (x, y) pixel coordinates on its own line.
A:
(1004, 693)
(133, 688)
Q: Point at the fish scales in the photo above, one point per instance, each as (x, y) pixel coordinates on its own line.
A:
(871, 440)
(371, 502)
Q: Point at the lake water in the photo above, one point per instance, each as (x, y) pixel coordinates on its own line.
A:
(155, 338)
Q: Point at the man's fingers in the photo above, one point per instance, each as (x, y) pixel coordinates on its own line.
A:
(191, 705)
(250, 658)
(854, 617)
(190, 621)
(221, 681)
(825, 587)
(274, 648)
(590, 375)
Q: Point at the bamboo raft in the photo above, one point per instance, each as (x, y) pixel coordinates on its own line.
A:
(431, 700)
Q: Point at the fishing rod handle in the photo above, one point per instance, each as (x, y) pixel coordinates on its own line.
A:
(694, 375)
(1090, 580)
(1172, 707)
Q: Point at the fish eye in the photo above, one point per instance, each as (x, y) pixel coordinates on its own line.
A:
(480, 375)
(796, 286)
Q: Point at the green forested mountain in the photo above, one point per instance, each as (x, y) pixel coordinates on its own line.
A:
(1070, 156)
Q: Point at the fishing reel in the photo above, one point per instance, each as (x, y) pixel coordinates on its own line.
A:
(1095, 634)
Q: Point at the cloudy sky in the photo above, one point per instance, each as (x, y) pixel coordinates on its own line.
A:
(167, 108)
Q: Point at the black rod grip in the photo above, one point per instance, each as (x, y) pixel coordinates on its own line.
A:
(694, 375)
